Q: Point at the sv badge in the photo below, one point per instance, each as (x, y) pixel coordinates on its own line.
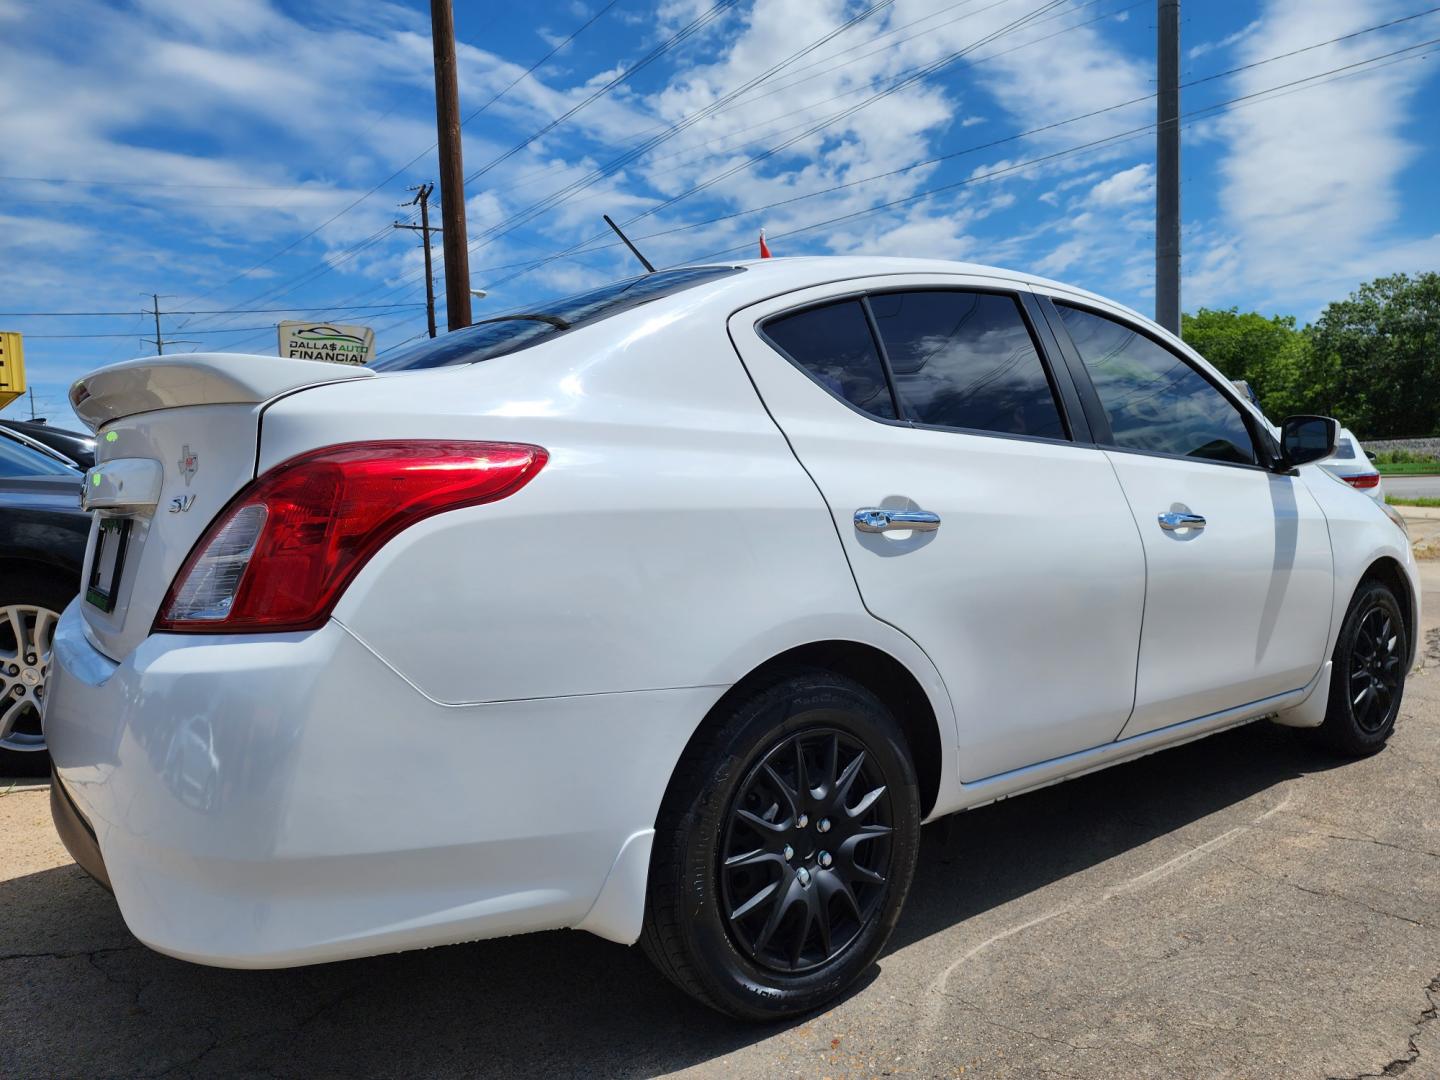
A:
(181, 503)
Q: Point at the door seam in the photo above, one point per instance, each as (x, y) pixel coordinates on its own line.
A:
(1144, 594)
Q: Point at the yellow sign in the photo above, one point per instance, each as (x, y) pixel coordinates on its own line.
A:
(12, 367)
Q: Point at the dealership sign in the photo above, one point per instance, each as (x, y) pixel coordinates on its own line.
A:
(327, 341)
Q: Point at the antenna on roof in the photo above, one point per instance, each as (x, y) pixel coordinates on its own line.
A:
(633, 249)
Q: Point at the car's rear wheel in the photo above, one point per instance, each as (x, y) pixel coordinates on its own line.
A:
(1367, 678)
(30, 605)
(784, 848)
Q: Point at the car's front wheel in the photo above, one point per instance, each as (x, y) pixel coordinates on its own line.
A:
(784, 848)
(1367, 678)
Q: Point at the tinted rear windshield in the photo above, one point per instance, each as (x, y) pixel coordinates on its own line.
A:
(519, 330)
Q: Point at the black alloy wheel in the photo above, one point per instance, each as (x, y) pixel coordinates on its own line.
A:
(1367, 677)
(806, 852)
(784, 847)
(1375, 673)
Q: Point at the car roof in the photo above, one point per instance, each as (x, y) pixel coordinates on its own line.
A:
(766, 277)
(33, 427)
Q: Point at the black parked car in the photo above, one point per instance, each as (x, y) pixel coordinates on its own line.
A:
(43, 533)
(75, 446)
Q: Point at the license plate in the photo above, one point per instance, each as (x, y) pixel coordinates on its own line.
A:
(109, 560)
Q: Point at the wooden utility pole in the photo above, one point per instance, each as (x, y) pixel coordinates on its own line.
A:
(159, 341)
(422, 199)
(452, 167)
(1167, 165)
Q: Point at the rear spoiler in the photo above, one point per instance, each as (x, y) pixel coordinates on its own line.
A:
(172, 382)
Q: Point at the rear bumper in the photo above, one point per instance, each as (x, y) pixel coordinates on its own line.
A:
(76, 833)
(287, 799)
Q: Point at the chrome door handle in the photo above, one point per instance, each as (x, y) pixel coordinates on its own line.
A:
(1170, 521)
(872, 519)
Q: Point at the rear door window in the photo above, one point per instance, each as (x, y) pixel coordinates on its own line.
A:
(966, 360)
(834, 346)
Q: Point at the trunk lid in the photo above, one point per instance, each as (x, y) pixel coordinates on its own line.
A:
(177, 438)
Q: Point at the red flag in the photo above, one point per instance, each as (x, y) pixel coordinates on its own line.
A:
(764, 247)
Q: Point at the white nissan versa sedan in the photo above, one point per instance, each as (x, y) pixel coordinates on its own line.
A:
(670, 612)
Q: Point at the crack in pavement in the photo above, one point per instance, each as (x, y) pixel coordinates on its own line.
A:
(1350, 838)
(979, 1014)
(88, 954)
(1322, 893)
(217, 1042)
(1401, 1065)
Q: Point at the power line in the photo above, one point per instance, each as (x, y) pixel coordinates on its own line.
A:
(524, 177)
(228, 330)
(871, 86)
(1034, 41)
(585, 248)
(974, 62)
(400, 171)
(923, 73)
(861, 89)
(521, 218)
(783, 86)
(160, 183)
(1032, 131)
(691, 28)
(210, 311)
(1294, 85)
(679, 36)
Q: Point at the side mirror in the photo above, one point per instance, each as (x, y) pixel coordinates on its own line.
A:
(1304, 439)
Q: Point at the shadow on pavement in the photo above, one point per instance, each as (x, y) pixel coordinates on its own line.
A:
(557, 1003)
(980, 859)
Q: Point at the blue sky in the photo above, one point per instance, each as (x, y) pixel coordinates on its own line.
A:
(250, 154)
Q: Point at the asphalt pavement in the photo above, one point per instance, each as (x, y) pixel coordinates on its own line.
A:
(1244, 906)
(1411, 487)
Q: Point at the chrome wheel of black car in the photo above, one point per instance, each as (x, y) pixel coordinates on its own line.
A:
(26, 631)
(806, 851)
(1375, 669)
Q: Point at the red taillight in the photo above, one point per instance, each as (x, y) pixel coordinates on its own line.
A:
(281, 553)
(1363, 480)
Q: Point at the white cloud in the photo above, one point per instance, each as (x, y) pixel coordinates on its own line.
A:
(1126, 187)
(1309, 180)
(1082, 71)
(236, 84)
(1197, 51)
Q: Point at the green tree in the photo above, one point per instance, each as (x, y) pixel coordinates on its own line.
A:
(1267, 352)
(1376, 357)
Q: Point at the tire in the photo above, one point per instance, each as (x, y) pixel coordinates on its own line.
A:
(36, 598)
(1368, 676)
(720, 874)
